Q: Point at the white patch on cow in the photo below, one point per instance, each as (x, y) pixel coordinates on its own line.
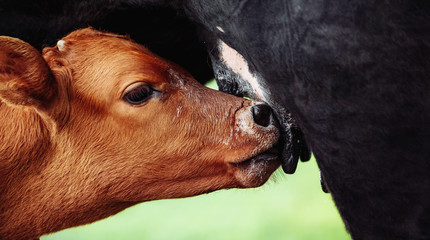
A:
(220, 29)
(240, 66)
(61, 44)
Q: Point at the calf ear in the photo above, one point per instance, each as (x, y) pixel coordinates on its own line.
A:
(25, 78)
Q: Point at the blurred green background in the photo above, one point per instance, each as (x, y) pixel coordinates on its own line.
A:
(287, 207)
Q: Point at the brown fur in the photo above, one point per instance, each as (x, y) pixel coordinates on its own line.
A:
(72, 151)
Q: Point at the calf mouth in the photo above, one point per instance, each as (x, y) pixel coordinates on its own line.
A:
(255, 171)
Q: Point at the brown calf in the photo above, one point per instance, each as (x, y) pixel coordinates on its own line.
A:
(99, 123)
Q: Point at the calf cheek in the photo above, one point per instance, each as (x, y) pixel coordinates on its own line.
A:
(174, 166)
(226, 125)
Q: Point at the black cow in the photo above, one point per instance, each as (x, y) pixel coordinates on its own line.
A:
(354, 75)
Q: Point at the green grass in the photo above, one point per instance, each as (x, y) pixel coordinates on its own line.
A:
(290, 207)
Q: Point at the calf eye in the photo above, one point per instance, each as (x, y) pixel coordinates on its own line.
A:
(139, 94)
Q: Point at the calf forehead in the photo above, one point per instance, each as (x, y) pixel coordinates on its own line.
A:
(102, 66)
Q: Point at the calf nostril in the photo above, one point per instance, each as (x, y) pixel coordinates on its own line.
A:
(262, 114)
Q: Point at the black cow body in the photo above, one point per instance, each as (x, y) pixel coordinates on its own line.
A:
(355, 76)
(153, 23)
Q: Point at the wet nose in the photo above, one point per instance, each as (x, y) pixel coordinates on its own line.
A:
(262, 115)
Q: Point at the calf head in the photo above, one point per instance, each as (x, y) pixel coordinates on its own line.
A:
(98, 123)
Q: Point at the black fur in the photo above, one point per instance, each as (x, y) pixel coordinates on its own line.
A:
(355, 76)
(153, 23)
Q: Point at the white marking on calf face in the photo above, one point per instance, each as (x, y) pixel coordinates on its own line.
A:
(245, 123)
(61, 45)
(178, 111)
(245, 126)
(239, 65)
